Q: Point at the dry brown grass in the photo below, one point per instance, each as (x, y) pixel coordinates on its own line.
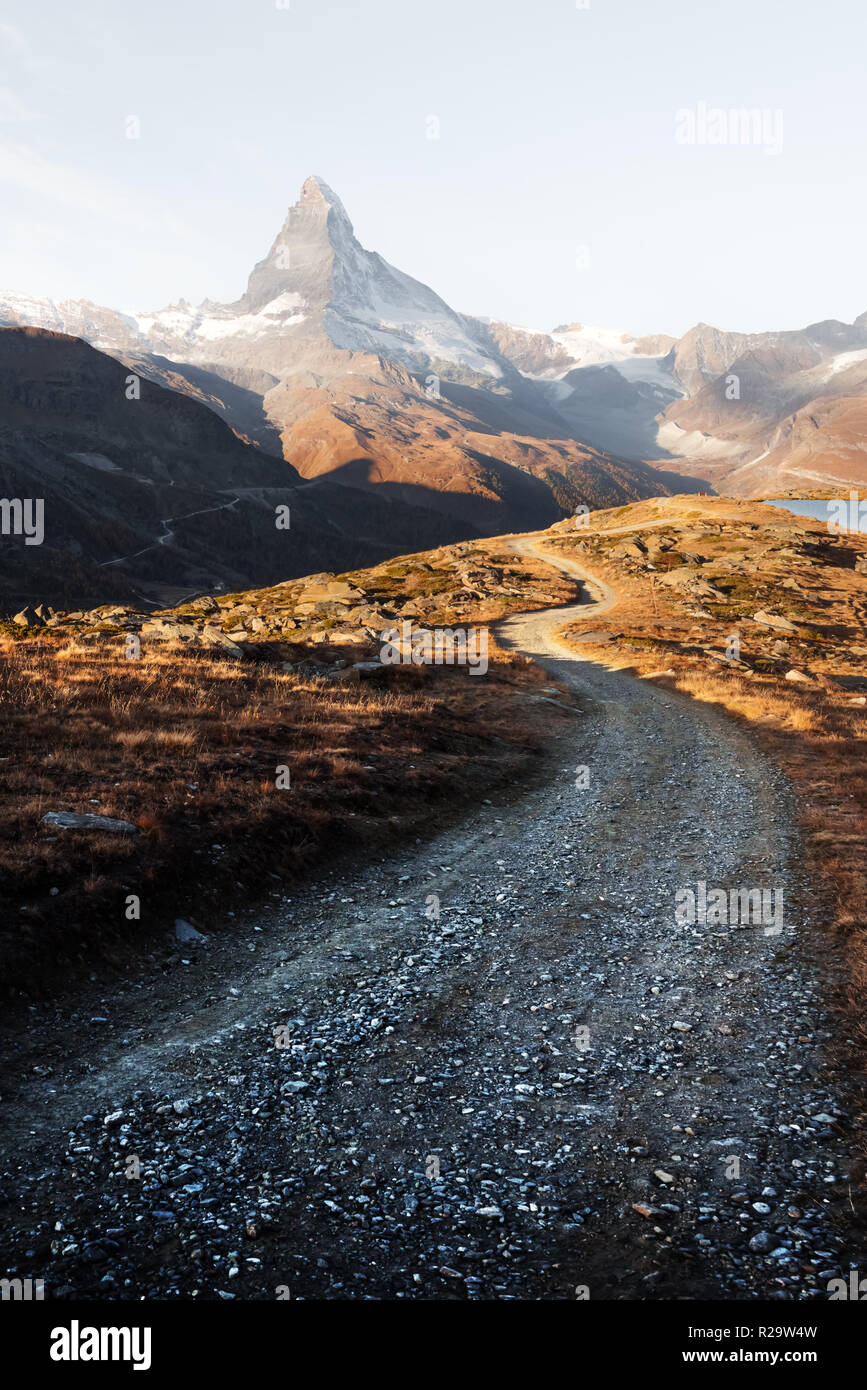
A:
(186, 746)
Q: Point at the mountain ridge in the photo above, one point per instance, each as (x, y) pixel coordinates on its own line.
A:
(341, 363)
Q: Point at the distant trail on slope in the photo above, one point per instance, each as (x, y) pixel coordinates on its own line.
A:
(169, 534)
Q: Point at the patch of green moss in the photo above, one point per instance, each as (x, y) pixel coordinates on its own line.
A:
(725, 611)
(649, 644)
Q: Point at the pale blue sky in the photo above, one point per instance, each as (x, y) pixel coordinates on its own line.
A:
(557, 132)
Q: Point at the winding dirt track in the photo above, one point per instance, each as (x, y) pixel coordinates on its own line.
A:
(508, 1071)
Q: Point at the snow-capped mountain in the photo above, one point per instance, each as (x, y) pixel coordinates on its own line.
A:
(549, 356)
(343, 363)
(771, 411)
(351, 369)
(316, 282)
(368, 305)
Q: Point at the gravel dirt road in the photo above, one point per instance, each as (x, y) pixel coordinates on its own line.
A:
(493, 1066)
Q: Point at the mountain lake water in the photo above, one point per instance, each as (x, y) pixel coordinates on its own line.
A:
(829, 509)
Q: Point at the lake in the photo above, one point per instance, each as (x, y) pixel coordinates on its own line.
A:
(826, 510)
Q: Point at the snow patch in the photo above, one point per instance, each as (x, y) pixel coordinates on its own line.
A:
(651, 370)
(204, 325)
(693, 443)
(843, 360)
(589, 346)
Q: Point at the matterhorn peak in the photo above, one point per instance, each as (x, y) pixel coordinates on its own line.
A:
(301, 257)
(318, 279)
(319, 199)
(316, 190)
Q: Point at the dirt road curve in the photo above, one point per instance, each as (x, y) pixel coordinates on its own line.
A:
(505, 1070)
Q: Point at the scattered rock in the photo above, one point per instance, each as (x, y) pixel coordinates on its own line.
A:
(773, 620)
(215, 637)
(185, 931)
(28, 618)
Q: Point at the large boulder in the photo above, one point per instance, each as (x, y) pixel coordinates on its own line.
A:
(215, 637)
(628, 550)
(28, 617)
(685, 577)
(185, 931)
(167, 631)
(366, 672)
(332, 591)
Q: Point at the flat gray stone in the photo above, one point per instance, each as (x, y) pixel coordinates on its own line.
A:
(773, 620)
(71, 820)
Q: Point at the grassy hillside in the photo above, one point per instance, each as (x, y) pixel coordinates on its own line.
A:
(185, 742)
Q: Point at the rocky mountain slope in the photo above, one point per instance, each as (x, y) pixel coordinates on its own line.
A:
(751, 413)
(773, 411)
(152, 496)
